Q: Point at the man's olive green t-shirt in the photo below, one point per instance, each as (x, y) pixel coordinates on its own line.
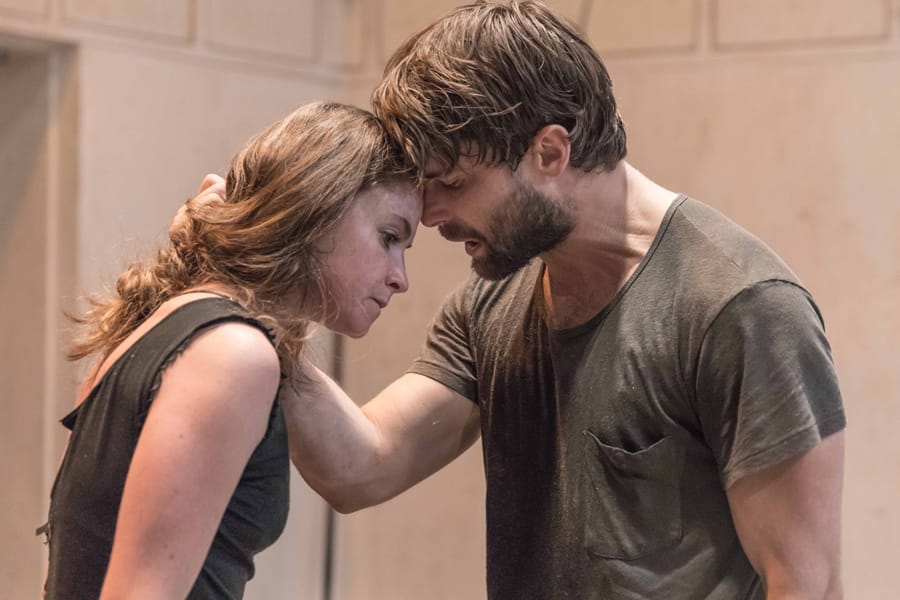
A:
(608, 447)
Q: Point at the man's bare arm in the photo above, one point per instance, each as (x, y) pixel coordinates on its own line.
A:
(356, 457)
(788, 518)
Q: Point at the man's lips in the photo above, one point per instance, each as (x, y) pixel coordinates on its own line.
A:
(450, 237)
(456, 233)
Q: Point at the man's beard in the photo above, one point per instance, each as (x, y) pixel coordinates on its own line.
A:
(525, 224)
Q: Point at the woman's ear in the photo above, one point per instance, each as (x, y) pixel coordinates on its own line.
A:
(550, 148)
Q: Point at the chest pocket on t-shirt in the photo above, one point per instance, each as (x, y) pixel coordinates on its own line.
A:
(633, 504)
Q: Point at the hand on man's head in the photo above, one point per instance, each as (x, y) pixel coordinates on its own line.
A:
(212, 189)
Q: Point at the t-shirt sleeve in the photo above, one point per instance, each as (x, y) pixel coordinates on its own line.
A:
(766, 387)
(447, 355)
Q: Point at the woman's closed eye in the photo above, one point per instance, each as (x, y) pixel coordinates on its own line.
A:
(389, 238)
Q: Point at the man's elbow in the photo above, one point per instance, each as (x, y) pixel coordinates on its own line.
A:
(345, 501)
(351, 487)
(823, 586)
(349, 494)
(350, 499)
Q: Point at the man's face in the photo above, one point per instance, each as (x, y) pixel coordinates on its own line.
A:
(503, 220)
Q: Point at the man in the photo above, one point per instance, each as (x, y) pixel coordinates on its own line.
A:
(656, 399)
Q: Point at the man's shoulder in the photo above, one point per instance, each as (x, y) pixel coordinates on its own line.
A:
(705, 260)
(705, 240)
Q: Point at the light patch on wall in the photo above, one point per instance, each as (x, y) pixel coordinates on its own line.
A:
(34, 7)
(280, 27)
(613, 25)
(168, 19)
(766, 21)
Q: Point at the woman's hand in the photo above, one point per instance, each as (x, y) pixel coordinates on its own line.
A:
(211, 191)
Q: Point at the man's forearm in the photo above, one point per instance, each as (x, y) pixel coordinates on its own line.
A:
(359, 456)
(334, 445)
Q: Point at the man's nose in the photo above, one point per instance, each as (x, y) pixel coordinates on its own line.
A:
(434, 211)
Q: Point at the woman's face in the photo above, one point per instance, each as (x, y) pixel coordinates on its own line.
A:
(364, 255)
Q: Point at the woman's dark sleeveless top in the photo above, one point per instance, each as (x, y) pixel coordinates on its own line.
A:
(105, 428)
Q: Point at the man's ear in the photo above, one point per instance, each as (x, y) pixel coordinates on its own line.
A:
(550, 148)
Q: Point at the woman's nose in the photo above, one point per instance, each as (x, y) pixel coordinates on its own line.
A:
(397, 278)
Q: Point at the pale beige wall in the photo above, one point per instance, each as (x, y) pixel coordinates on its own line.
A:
(36, 265)
(23, 294)
(780, 112)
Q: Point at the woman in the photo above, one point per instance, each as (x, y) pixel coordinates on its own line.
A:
(177, 468)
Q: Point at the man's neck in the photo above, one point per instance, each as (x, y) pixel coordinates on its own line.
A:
(618, 214)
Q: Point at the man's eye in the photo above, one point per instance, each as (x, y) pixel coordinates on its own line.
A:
(451, 185)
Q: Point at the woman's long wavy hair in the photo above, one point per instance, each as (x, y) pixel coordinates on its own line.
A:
(288, 187)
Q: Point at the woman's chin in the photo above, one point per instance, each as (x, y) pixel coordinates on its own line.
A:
(352, 332)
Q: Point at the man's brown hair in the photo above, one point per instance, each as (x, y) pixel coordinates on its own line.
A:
(486, 77)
